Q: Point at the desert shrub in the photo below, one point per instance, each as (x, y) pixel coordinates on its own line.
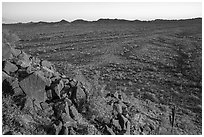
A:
(14, 119)
(98, 109)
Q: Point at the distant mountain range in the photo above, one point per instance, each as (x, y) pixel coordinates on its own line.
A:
(101, 21)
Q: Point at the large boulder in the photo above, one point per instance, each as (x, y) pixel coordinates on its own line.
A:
(34, 87)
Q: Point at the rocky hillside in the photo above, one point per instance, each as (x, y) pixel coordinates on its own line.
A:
(37, 99)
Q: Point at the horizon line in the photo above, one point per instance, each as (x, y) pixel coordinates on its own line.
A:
(85, 20)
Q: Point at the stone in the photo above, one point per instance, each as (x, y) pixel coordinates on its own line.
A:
(68, 102)
(118, 107)
(60, 86)
(49, 94)
(34, 87)
(5, 76)
(48, 65)
(127, 128)
(65, 81)
(109, 130)
(29, 104)
(24, 60)
(55, 78)
(9, 67)
(41, 75)
(116, 124)
(26, 119)
(58, 127)
(57, 86)
(18, 91)
(15, 52)
(73, 83)
(56, 74)
(66, 118)
(59, 108)
(6, 51)
(45, 106)
(30, 70)
(74, 113)
(15, 84)
(48, 74)
(80, 94)
(122, 122)
(66, 130)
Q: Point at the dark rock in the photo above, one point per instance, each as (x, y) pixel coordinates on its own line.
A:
(59, 87)
(58, 127)
(6, 85)
(34, 87)
(59, 108)
(122, 121)
(9, 67)
(49, 94)
(55, 78)
(127, 124)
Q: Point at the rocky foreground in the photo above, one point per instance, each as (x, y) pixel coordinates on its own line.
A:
(39, 100)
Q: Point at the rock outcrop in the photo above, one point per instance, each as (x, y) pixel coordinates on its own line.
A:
(43, 89)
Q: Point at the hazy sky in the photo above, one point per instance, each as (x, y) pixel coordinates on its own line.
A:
(53, 11)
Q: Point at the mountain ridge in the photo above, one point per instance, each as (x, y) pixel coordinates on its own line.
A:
(105, 20)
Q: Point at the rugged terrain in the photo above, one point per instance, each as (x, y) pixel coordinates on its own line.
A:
(155, 66)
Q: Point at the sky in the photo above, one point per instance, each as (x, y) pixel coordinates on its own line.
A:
(56, 11)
